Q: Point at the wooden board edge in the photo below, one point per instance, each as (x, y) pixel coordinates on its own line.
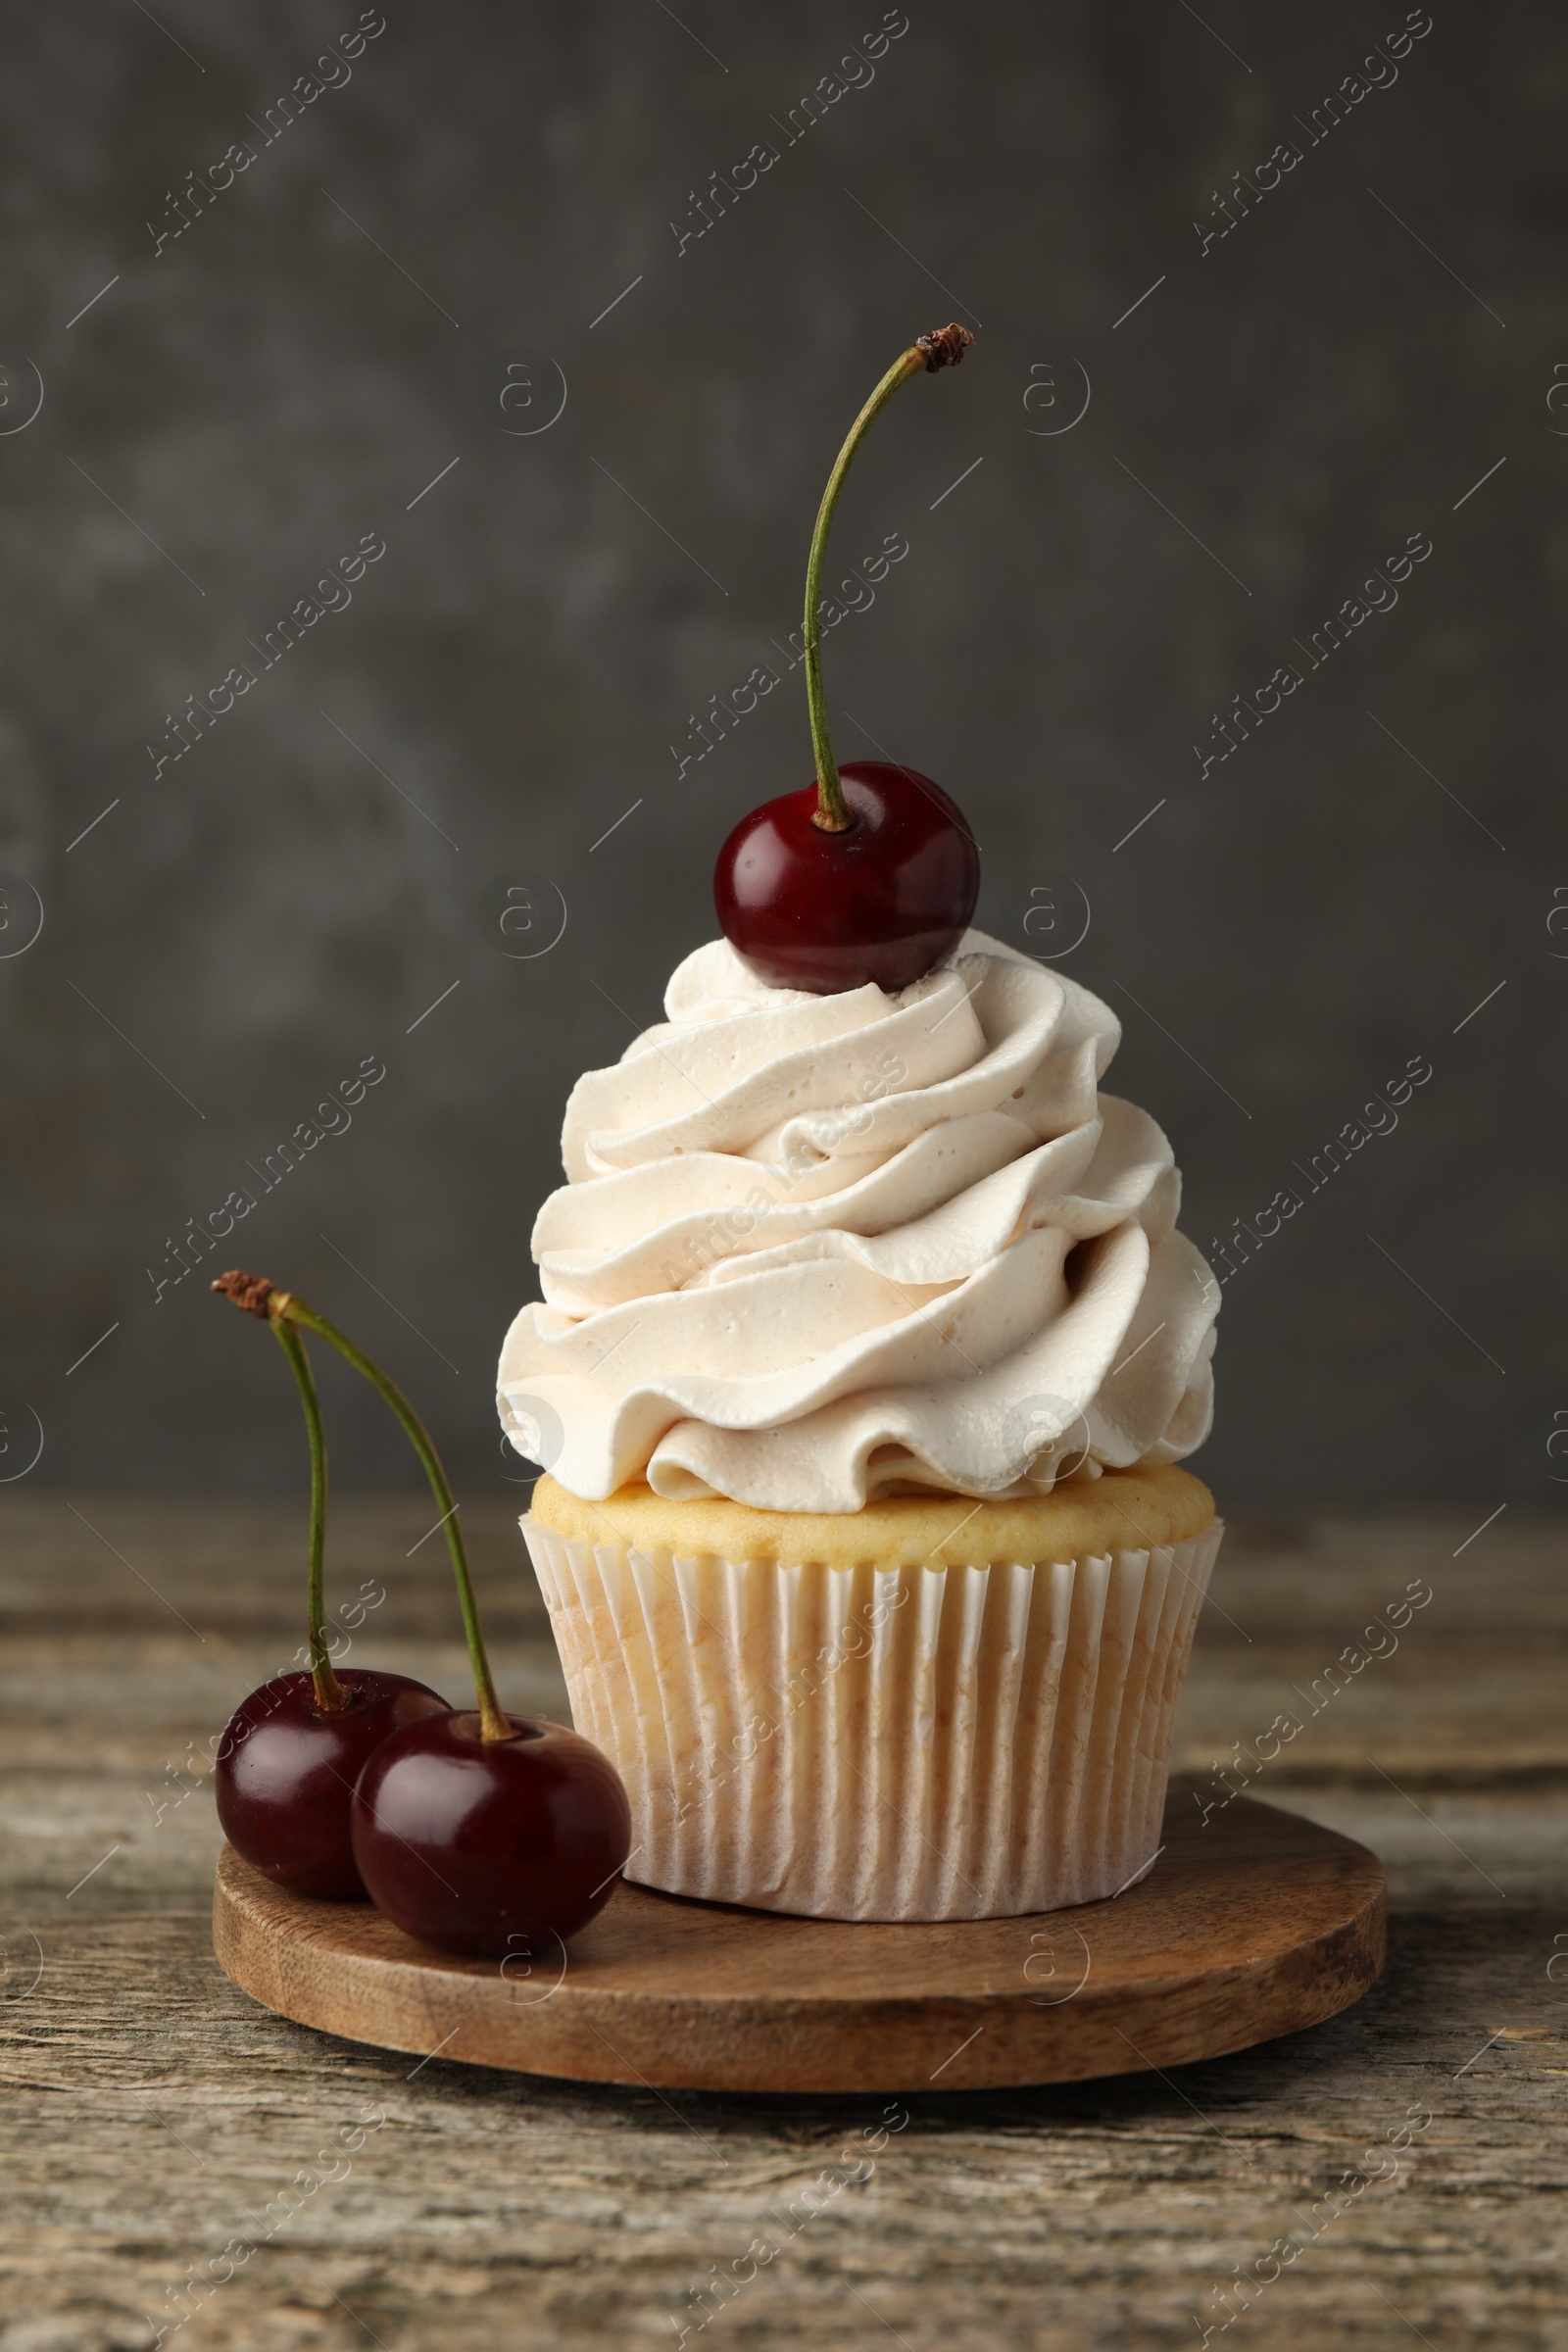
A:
(998, 2041)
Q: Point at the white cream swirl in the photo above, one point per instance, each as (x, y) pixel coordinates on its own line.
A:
(817, 1250)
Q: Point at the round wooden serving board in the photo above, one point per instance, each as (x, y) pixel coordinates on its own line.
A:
(1255, 1924)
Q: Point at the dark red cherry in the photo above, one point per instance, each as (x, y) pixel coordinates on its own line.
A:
(486, 1847)
(286, 1771)
(886, 901)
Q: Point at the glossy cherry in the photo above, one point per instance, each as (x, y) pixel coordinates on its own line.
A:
(886, 900)
(286, 1769)
(871, 874)
(483, 1832)
(487, 1845)
(293, 1749)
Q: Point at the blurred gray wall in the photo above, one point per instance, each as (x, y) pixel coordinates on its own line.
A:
(247, 379)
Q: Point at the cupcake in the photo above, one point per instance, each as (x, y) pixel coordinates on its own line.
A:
(867, 1351)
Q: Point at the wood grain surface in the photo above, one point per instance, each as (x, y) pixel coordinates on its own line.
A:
(153, 2116)
(1254, 1925)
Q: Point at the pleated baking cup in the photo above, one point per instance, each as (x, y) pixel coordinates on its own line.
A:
(881, 1744)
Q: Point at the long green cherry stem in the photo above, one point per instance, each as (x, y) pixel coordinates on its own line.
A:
(944, 348)
(259, 1297)
(329, 1693)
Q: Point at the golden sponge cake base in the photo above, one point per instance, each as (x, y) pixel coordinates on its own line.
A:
(1123, 1510)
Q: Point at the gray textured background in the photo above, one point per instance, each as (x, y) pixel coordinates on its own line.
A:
(258, 392)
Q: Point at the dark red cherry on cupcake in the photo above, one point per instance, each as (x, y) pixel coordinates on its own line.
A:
(886, 900)
(292, 1750)
(489, 1844)
(483, 1832)
(872, 873)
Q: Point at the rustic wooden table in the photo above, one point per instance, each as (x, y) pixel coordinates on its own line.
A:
(154, 2117)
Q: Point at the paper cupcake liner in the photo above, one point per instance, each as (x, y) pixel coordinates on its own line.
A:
(901, 1743)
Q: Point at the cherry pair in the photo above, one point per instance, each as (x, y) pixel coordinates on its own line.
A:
(481, 1831)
